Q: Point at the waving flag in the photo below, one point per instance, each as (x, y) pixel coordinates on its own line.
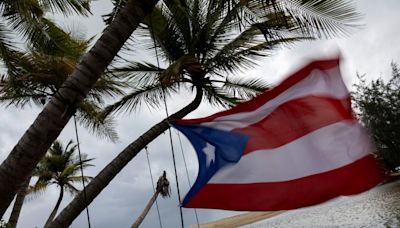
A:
(295, 145)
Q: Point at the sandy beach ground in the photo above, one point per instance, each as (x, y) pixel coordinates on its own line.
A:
(240, 220)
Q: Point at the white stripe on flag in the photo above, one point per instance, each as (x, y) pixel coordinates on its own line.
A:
(327, 83)
(323, 150)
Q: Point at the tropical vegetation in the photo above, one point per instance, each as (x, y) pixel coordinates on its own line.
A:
(27, 21)
(39, 73)
(61, 167)
(310, 18)
(378, 105)
(203, 47)
(37, 70)
(45, 129)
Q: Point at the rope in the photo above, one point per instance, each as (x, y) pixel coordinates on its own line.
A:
(81, 164)
(152, 183)
(169, 129)
(176, 173)
(187, 175)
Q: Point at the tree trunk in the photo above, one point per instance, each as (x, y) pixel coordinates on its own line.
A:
(146, 210)
(78, 204)
(33, 145)
(54, 212)
(19, 200)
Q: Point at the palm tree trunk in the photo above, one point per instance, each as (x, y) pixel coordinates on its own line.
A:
(54, 212)
(78, 204)
(33, 145)
(146, 210)
(19, 200)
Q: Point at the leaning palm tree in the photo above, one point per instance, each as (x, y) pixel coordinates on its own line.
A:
(38, 75)
(162, 189)
(56, 113)
(60, 167)
(22, 160)
(202, 45)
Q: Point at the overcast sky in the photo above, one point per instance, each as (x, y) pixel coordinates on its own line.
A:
(369, 50)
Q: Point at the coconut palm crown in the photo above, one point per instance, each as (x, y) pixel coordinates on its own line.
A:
(39, 73)
(201, 47)
(207, 44)
(27, 19)
(60, 167)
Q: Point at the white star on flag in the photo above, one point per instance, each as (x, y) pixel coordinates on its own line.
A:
(209, 150)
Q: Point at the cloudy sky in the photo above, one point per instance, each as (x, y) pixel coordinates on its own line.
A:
(368, 50)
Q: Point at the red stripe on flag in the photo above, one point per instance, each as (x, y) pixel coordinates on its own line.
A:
(348, 180)
(269, 94)
(295, 119)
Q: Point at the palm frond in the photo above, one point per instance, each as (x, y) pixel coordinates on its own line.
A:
(179, 18)
(71, 189)
(150, 95)
(217, 97)
(7, 49)
(319, 18)
(109, 85)
(68, 7)
(169, 40)
(243, 88)
(138, 73)
(89, 117)
(44, 34)
(75, 179)
(235, 57)
(38, 189)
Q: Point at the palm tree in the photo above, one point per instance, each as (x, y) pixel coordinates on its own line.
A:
(37, 139)
(202, 46)
(22, 160)
(26, 20)
(59, 167)
(39, 73)
(163, 189)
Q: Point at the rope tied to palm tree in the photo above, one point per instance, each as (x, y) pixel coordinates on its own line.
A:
(81, 168)
(169, 129)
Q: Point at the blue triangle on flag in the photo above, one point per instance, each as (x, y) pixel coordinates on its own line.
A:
(214, 148)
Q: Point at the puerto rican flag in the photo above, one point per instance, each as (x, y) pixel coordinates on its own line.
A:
(295, 145)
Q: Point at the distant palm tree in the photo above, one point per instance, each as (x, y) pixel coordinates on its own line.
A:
(201, 44)
(162, 189)
(60, 167)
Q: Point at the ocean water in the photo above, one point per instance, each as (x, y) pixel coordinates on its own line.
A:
(376, 208)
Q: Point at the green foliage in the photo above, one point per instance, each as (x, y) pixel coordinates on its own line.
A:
(35, 72)
(40, 71)
(379, 109)
(208, 44)
(26, 19)
(61, 167)
(316, 18)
